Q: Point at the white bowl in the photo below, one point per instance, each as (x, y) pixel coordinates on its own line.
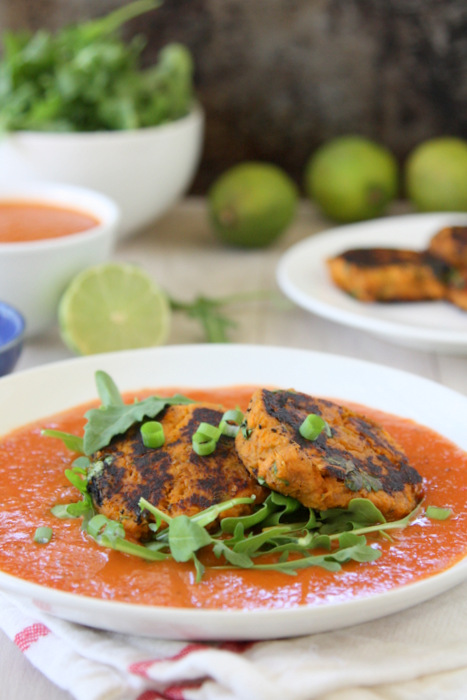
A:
(34, 274)
(144, 170)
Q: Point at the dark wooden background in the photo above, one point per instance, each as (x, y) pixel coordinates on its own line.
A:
(278, 77)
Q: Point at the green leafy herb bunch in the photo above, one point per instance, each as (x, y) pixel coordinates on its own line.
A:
(85, 77)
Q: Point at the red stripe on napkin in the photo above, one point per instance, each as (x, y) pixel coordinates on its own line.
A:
(30, 635)
(140, 668)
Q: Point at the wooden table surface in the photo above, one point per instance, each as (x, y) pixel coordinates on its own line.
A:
(184, 257)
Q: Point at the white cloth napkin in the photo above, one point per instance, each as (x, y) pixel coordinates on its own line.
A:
(419, 654)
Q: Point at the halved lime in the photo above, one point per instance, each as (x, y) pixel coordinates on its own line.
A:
(113, 306)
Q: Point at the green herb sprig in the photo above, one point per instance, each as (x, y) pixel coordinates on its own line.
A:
(211, 312)
(85, 77)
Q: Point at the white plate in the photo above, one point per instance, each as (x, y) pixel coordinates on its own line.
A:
(71, 382)
(303, 276)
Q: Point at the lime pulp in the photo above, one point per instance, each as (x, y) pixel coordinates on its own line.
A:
(113, 306)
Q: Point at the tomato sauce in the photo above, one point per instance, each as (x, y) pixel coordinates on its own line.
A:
(32, 481)
(21, 222)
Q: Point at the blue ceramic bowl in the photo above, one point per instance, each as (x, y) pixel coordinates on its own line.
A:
(12, 327)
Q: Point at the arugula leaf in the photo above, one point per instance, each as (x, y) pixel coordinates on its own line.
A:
(253, 543)
(208, 515)
(77, 476)
(106, 422)
(352, 546)
(186, 537)
(73, 442)
(290, 566)
(114, 417)
(159, 515)
(81, 465)
(364, 512)
(82, 508)
(320, 542)
(229, 525)
(107, 389)
(240, 559)
(110, 533)
(285, 505)
(76, 480)
(360, 513)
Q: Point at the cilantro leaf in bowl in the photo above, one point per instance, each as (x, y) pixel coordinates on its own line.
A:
(85, 77)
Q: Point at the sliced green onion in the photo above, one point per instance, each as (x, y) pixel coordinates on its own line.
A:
(152, 434)
(96, 525)
(100, 526)
(43, 535)
(230, 422)
(203, 445)
(235, 415)
(209, 431)
(228, 429)
(312, 426)
(114, 530)
(61, 511)
(436, 513)
(205, 439)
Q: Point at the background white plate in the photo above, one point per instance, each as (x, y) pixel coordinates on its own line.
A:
(37, 393)
(303, 276)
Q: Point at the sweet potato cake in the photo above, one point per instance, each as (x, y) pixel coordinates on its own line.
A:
(358, 459)
(388, 274)
(450, 245)
(456, 287)
(173, 477)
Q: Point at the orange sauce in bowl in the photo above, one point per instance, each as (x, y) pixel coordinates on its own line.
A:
(25, 221)
(32, 481)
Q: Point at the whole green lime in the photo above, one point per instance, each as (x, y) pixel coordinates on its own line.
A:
(436, 175)
(352, 178)
(251, 204)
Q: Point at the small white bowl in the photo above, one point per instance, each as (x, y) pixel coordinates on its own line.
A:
(34, 274)
(144, 170)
